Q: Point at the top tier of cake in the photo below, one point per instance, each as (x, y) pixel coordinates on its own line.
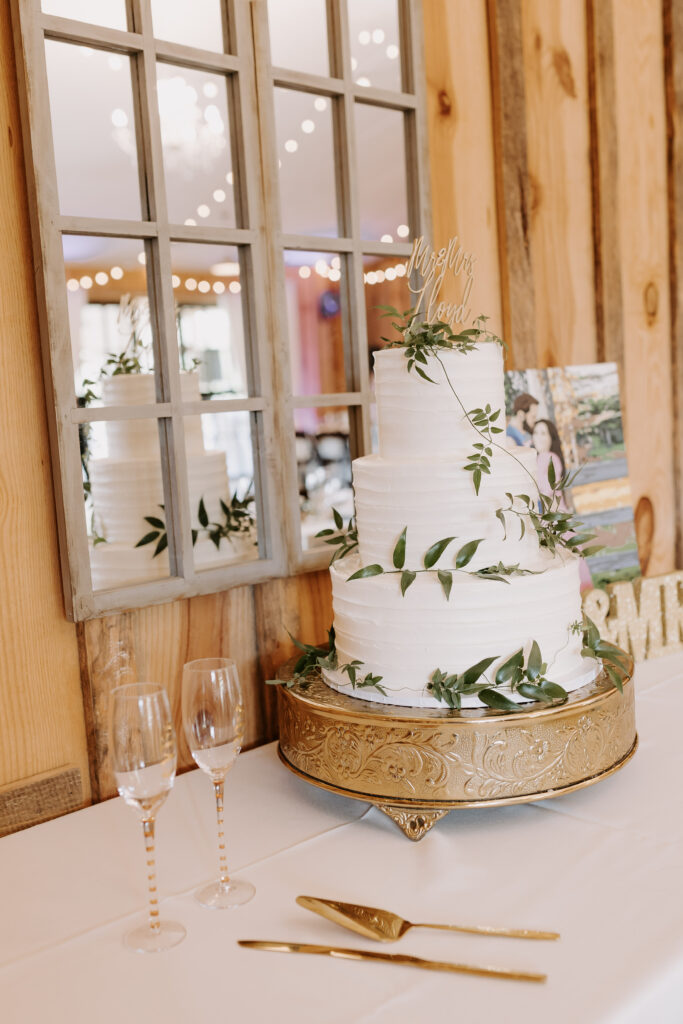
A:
(418, 419)
(139, 438)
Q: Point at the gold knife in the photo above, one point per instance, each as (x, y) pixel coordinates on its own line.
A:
(391, 958)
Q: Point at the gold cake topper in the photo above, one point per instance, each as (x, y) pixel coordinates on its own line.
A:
(432, 267)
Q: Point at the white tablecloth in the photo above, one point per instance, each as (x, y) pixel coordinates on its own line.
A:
(604, 866)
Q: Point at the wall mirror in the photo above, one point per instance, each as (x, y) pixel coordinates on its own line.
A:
(222, 195)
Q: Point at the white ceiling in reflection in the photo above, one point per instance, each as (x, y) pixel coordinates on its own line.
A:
(93, 123)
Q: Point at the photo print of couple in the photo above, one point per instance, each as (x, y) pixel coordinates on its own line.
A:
(572, 417)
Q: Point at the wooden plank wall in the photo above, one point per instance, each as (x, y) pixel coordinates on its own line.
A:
(43, 751)
(555, 139)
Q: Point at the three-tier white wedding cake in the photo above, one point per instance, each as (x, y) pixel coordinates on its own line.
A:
(126, 488)
(418, 483)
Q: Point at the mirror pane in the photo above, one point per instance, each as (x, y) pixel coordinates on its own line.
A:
(298, 35)
(220, 468)
(111, 13)
(124, 502)
(381, 164)
(323, 468)
(93, 127)
(375, 43)
(195, 136)
(197, 24)
(315, 322)
(386, 284)
(306, 163)
(209, 317)
(109, 322)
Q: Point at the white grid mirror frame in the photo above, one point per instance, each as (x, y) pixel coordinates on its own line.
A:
(344, 92)
(250, 81)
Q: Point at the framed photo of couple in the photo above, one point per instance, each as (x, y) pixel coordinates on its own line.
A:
(572, 416)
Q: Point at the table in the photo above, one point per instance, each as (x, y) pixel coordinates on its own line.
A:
(604, 866)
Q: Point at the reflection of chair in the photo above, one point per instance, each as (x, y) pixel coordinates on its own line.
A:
(334, 454)
(326, 453)
(305, 459)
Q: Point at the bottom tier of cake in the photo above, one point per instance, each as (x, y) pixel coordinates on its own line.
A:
(404, 639)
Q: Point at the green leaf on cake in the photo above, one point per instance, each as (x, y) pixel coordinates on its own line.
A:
(533, 668)
(202, 514)
(399, 556)
(473, 673)
(494, 699)
(466, 553)
(554, 690)
(366, 572)
(509, 668)
(407, 577)
(446, 581)
(434, 553)
(338, 521)
(615, 677)
(532, 691)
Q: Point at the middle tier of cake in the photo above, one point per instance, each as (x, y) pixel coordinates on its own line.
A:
(405, 638)
(434, 498)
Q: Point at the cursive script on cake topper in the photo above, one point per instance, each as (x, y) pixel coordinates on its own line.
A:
(432, 267)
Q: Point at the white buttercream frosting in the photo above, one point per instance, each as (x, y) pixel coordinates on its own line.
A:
(404, 639)
(435, 498)
(417, 419)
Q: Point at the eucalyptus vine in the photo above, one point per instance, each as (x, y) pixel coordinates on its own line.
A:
(463, 557)
(554, 528)
(315, 658)
(525, 675)
(615, 662)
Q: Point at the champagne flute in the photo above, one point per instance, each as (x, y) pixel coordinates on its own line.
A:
(143, 754)
(213, 718)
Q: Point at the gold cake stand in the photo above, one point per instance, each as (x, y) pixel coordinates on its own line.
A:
(418, 764)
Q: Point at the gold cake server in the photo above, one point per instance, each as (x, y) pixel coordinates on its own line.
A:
(388, 927)
(391, 958)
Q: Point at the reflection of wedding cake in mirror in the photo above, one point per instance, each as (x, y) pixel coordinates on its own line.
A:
(127, 492)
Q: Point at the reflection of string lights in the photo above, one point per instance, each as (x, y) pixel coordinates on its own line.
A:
(332, 271)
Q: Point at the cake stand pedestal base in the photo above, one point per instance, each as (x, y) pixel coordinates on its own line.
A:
(418, 764)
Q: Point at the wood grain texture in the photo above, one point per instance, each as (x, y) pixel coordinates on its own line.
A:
(459, 120)
(644, 256)
(153, 644)
(513, 188)
(560, 216)
(673, 70)
(40, 798)
(41, 720)
(609, 310)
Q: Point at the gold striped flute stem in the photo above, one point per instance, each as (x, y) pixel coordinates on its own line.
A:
(148, 829)
(222, 857)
